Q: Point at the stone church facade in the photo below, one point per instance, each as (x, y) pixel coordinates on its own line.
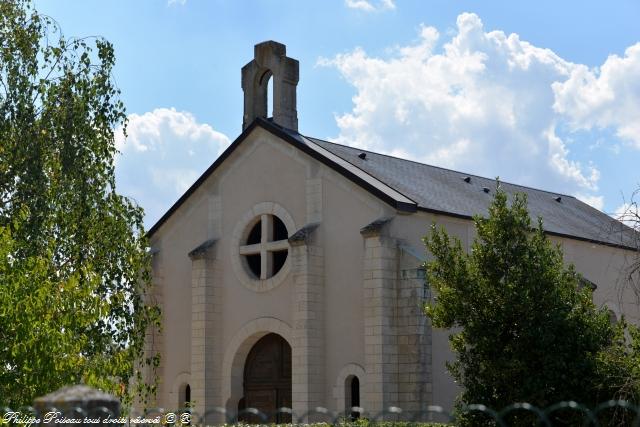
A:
(289, 273)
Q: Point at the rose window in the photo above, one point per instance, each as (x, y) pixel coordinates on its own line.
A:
(266, 247)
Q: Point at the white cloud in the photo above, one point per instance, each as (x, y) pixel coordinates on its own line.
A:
(558, 156)
(478, 101)
(608, 96)
(176, 2)
(368, 6)
(595, 201)
(165, 152)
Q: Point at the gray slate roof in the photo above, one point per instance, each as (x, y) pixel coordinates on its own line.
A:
(445, 191)
(407, 186)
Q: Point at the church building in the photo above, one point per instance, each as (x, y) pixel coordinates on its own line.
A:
(289, 274)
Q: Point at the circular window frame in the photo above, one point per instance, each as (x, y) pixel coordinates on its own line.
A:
(240, 234)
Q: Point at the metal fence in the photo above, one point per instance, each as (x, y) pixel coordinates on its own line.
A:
(570, 413)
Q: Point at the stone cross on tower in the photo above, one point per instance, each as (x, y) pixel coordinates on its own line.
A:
(270, 60)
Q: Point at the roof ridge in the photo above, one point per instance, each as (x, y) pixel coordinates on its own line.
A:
(443, 168)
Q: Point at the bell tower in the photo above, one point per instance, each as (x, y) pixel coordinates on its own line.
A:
(270, 61)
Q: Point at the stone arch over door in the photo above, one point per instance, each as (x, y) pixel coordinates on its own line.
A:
(238, 349)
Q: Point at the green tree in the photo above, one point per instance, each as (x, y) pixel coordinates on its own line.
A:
(525, 328)
(75, 265)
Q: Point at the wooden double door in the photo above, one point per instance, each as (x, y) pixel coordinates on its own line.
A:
(267, 379)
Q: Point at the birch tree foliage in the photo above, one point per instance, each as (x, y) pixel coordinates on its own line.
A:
(74, 270)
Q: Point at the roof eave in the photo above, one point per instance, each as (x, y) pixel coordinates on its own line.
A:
(547, 232)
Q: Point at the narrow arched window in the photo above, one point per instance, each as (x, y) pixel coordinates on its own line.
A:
(355, 396)
(184, 396)
(352, 396)
(185, 400)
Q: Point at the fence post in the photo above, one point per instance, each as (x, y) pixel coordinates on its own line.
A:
(80, 401)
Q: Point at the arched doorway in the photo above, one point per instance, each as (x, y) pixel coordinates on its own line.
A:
(267, 378)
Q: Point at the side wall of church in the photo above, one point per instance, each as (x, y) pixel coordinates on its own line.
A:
(602, 265)
(605, 267)
(440, 389)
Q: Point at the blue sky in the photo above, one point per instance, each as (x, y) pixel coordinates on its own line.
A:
(545, 94)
